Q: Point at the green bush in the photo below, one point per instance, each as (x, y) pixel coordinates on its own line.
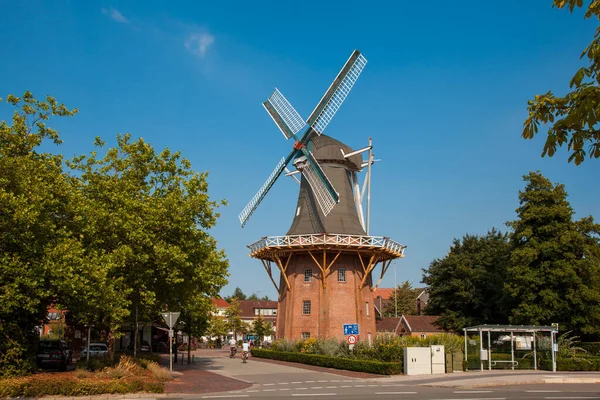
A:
(370, 366)
(34, 386)
(589, 363)
(593, 348)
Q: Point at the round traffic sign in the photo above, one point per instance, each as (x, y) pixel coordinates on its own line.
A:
(351, 339)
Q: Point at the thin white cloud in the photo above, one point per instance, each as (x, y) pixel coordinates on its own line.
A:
(199, 43)
(115, 15)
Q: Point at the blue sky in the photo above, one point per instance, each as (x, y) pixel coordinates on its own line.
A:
(443, 95)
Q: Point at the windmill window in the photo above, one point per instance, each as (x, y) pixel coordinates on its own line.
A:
(308, 275)
(367, 308)
(305, 335)
(341, 274)
(297, 211)
(306, 307)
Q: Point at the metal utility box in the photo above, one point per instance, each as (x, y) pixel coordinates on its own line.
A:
(417, 361)
(437, 359)
(454, 362)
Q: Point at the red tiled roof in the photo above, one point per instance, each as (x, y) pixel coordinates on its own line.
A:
(387, 324)
(385, 293)
(422, 323)
(220, 303)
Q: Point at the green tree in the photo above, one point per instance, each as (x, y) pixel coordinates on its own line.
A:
(573, 117)
(150, 213)
(234, 321)
(554, 270)
(402, 302)
(466, 286)
(237, 294)
(217, 327)
(35, 214)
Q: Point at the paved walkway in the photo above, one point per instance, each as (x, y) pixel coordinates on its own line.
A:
(215, 372)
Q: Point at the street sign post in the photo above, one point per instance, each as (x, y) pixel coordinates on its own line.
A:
(350, 329)
(170, 319)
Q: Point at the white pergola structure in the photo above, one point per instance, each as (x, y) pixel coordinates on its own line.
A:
(512, 329)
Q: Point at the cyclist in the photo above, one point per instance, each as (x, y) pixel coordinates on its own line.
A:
(245, 350)
(232, 347)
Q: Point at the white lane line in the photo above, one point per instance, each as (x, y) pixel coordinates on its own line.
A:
(335, 380)
(472, 391)
(300, 388)
(543, 391)
(314, 394)
(395, 392)
(360, 385)
(477, 398)
(322, 381)
(225, 397)
(269, 384)
(309, 381)
(345, 386)
(283, 383)
(251, 391)
(317, 387)
(573, 397)
(330, 387)
(269, 390)
(348, 380)
(296, 382)
(285, 389)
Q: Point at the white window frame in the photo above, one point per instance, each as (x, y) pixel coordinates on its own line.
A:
(305, 335)
(306, 306)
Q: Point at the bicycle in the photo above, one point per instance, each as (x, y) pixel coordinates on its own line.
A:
(244, 356)
(232, 352)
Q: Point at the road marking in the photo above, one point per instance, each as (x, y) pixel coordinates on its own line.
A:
(285, 389)
(314, 394)
(317, 387)
(301, 388)
(309, 381)
(573, 397)
(322, 381)
(269, 384)
(269, 390)
(225, 397)
(252, 391)
(395, 392)
(283, 383)
(478, 398)
(296, 382)
(543, 391)
(348, 380)
(330, 387)
(346, 386)
(334, 380)
(472, 391)
(373, 385)
(360, 385)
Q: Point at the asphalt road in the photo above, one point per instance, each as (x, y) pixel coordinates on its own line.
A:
(272, 381)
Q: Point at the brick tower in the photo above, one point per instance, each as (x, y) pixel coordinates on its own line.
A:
(326, 262)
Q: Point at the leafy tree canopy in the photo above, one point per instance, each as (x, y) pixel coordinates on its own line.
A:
(402, 302)
(573, 118)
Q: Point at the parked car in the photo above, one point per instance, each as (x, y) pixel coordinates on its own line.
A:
(53, 354)
(96, 350)
(145, 346)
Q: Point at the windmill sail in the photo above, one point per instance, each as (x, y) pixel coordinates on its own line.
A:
(323, 191)
(253, 204)
(285, 116)
(337, 92)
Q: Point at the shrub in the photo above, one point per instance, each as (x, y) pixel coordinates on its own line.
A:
(374, 367)
(593, 348)
(95, 363)
(160, 373)
(589, 363)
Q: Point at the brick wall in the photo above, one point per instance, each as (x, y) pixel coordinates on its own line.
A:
(332, 305)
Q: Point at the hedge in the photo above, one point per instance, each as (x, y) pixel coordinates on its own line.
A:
(33, 386)
(587, 363)
(370, 366)
(593, 348)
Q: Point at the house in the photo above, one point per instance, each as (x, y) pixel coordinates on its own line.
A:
(220, 306)
(422, 300)
(419, 325)
(251, 309)
(380, 298)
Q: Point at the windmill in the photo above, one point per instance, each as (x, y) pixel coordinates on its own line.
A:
(291, 124)
(328, 231)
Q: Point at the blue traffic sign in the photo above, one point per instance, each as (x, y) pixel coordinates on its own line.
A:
(350, 329)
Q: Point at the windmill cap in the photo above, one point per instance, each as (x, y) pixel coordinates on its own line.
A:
(327, 150)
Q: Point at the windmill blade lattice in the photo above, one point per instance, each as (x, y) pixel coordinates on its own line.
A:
(323, 191)
(337, 92)
(285, 116)
(253, 204)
